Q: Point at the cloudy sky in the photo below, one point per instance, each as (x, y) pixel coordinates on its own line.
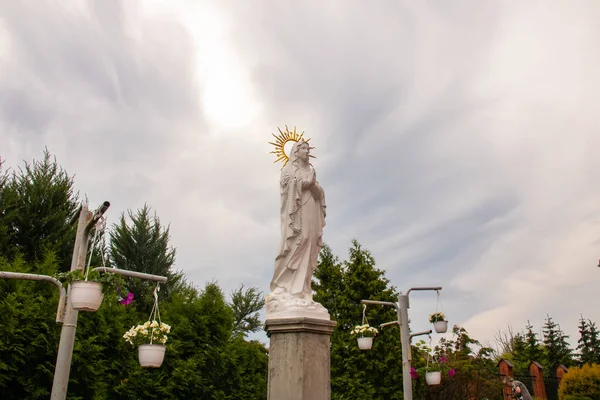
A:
(455, 140)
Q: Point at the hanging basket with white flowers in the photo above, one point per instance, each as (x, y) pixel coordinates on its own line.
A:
(364, 333)
(150, 337)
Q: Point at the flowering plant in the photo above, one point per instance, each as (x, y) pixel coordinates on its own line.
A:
(109, 281)
(436, 317)
(434, 361)
(148, 333)
(364, 331)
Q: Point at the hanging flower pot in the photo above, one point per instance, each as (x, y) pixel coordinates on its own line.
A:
(440, 326)
(435, 363)
(150, 338)
(86, 295)
(439, 322)
(365, 343)
(364, 336)
(433, 377)
(87, 290)
(151, 355)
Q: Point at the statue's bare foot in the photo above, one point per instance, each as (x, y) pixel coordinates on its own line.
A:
(279, 290)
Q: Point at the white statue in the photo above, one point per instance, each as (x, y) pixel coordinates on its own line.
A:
(302, 221)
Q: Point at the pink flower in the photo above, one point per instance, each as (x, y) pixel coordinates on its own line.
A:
(127, 300)
(413, 373)
(443, 360)
(451, 372)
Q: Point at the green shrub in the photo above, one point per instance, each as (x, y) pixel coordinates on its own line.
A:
(577, 397)
(580, 383)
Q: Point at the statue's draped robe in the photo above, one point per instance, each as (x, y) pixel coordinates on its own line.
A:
(302, 221)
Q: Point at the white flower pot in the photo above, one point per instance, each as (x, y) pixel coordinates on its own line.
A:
(86, 296)
(365, 343)
(440, 326)
(433, 377)
(151, 355)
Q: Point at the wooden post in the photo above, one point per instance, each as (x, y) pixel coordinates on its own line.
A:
(506, 370)
(539, 387)
(561, 370)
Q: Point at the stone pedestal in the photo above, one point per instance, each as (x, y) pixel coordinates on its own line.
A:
(299, 358)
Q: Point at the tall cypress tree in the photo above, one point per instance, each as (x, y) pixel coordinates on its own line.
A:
(356, 374)
(37, 203)
(328, 282)
(143, 246)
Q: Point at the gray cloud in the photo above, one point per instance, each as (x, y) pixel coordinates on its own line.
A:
(456, 142)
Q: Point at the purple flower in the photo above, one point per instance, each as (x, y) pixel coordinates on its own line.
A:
(127, 300)
(413, 373)
(451, 372)
(443, 360)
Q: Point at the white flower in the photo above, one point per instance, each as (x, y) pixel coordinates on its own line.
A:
(361, 330)
(150, 331)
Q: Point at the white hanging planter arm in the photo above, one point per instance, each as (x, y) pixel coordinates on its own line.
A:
(420, 333)
(389, 323)
(380, 303)
(60, 312)
(436, 288)
(132, 274)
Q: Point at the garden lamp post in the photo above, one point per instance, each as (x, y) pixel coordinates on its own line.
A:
(402, 311)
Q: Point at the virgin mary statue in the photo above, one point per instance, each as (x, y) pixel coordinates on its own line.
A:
(302, 220)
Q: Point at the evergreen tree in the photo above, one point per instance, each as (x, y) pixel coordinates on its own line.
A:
(594, 342)
(203, 360)
(556, 347)
(5, 233)
(246, 305)
(37, 204)
(518, 355)
(588, 345)
(328, 282)
(28, 331)
(583, 344)
(356, 374)
(143, 246)
(532, 346)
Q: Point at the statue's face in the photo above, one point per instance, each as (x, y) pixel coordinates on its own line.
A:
(303, 151)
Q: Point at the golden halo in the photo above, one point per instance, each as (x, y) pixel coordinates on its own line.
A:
(281, 140)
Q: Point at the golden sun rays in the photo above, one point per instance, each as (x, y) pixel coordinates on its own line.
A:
(281, 140)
